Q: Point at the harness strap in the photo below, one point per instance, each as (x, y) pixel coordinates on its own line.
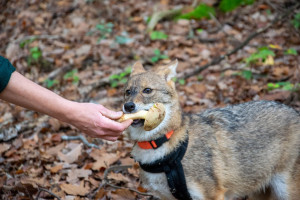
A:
(172, 167)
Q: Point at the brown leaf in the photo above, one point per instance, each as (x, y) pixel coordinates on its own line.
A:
(141, 189)
(280, 95)
(71, 156)
(103, 159)
(75, 189)
(56, 168)
(100, 194)
(4, 147)
(54, 150)
(42, 182)
(123, 194)
(75, 174)
(281, 71)
(127, 161)
(118, 177)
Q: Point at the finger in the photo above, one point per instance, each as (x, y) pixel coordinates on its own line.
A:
(127, 123)
(110, 113)
(113, 126)
(110, 138)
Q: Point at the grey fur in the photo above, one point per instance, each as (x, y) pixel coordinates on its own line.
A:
(237, 150)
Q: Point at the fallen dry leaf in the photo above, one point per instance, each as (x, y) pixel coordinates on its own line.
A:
(71, 156)
(118, 177)
(75, 174)
(75, 189)
(56, 168)
(4, 147)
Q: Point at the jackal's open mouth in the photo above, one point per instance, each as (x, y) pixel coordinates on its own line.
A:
(138, 123)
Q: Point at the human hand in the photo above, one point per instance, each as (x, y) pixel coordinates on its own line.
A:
(96, 121)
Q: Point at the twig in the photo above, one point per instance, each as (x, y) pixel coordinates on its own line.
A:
(157, 16)
(105, 181)
(220, 26)
(133, 190)
(45, 190)
(29, 37)
(52, 75)
(254, 34)
(82, 138)
(114, 168)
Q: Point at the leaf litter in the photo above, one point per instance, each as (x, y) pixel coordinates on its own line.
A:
(74, 47)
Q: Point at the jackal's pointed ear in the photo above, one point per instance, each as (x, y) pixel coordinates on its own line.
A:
(169, 70)
(137, 68)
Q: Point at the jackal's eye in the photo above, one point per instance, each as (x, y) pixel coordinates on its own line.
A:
(147, 90)
(127, 92)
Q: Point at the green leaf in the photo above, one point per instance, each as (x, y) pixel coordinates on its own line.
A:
(296, 20)
(26, 42)
(36, 53)
(247, 74)
(288, 87)
(200, 30)
(114, 84)
(128, 70)
(163, 57)
(50, 83)
(291, 51)
(122, 74)
(158, 35)
(181, 81)
(272, 86)
(200, 78)
(75, 79)
(154, 59)
(262, 53)
(123, 39)
(114, 76)
(281, 85)
(201, 11)
(229, 5)
(123, 80)
(71, 74)
(156, 52)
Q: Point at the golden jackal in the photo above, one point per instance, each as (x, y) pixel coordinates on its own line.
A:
(222, 153)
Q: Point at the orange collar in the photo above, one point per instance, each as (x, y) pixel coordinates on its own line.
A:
(154, 144)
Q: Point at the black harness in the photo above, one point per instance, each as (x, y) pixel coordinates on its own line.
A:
(172, 167)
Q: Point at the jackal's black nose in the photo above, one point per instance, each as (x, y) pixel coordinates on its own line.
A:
(129, 107)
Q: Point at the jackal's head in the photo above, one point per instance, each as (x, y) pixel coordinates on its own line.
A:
(145, 88)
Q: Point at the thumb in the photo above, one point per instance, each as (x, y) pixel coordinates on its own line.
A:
(110, 113)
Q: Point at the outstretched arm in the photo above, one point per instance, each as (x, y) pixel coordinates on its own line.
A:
(93, 119)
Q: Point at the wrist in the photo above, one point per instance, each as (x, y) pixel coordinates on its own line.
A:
(66, 110)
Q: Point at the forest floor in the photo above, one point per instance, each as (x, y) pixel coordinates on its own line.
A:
(82, 50)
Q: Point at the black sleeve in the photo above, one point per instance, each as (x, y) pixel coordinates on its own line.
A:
(6, 69)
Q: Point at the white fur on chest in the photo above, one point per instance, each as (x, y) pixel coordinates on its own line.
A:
(157, 184)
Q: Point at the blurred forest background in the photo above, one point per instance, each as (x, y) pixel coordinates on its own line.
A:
(229, 51)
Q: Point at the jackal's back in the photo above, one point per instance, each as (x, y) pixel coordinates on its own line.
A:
(247, 143)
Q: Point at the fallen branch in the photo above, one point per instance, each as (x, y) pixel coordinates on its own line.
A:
(59, 71)
(105, 181)
(32, 37)
(82, 138)
(254, 34)
(157, 16)
(45, 190)
(133, 190)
